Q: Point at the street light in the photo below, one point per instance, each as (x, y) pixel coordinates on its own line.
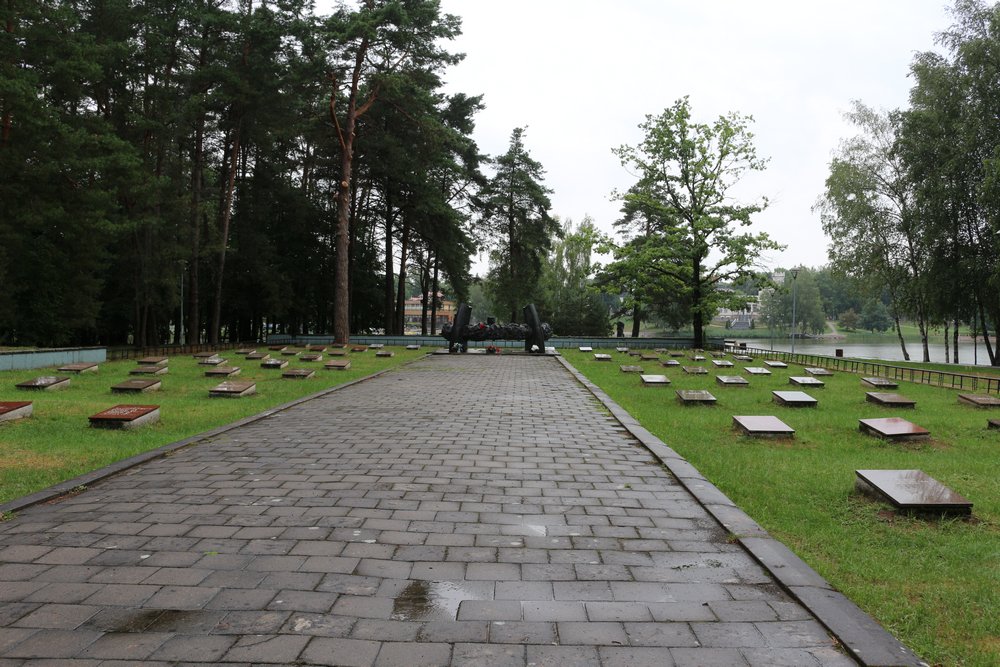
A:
(795, 274)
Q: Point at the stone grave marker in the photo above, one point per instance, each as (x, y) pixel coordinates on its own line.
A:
(385, 353)
(376, 346)
(246, 350)
(889, 400)
(223, 371)
(126, 416)
(649, 356)
(149, 370)
(359, 348)
(602, 357)
(153, 361)
(993, 423)
(818, 372)
(44, 383)
(803, 381)
(732, 381)
(722, 363)
(763, 426)
(676, 353)
(742, 357)
(273, 363)
(298, 374)
(756, 370)
(654, 380)
(211, 361)
(911, 491)
(288, 352)
(979, 400)
(311, 357)
(236, 389)
(634, 353)
(338, 364)
(670, 362)
(412, 346)
(794, 399)
(11, 410)
(258, 356)
(316, 348)
(630, 369)
(695, 397)
(776, 364)
(337, 353)
(697, 357)
(879, 383)
(277, 348)
(892, 428)
(81, 367)
(204, 355)
(623, 350)
(586, 348)
(695, 370)
(136, 386)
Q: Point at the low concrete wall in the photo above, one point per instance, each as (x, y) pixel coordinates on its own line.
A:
(555, 341)
(26, 359)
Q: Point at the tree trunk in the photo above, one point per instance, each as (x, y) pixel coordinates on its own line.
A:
(389, 286)
(698, 321)
(8, 117)
(954, 337)
(197, 167)
(636, 320)
(899, 334)
(434, 298)
(226, 215)
(404, 249)
(947, 356)
(994, 359)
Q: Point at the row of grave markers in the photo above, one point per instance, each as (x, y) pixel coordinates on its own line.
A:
(907, 490)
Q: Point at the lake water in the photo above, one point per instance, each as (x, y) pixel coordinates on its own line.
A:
(886, 351)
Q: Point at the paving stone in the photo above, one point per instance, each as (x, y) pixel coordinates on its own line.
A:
(635, 657)
(561, 656)
(341, 652)
(406, 654)
(487, 655)
(267, 648)
(194, 648)
(125, 645)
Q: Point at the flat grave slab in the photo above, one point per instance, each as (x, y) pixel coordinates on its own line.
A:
(316, 348)
(376, 346)
(993, 423)
(794, 399)
(246, 350)
(44, 383)
(153, 361)
(223, 371)
(676, 353)
(277, 348)
(818, 372)
(289, 353)
(695, 397)
(731, 381)
(892, 428)
(803, 381)
(622, 349)
(236, 389)
(11, 410)
(879, 383)
(722, 363)
(776, 364)
(211, 361)
(412, 347)
(149, 370)
(695, 370)
(385, 353)
(136, 386)
(742, 357)
(698, 357)
(81, 367)
(126, 416)
(979, 400)
(889, 400)
(312, 356)
(670, 362)
(654, 380)
(258, 356)
(585, 348)
(273, 363)
(634, 353)
(204, 355)
(763, 426)
(911, 491)
(298, 374)
(359, 348)
(649, 356)
(602, 357)
(341, 353)
(756, 370)
(630, 369)
(338, 364)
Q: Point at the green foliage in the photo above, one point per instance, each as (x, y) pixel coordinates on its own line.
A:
(567, 300)
(849, 320)
(683, 222)
(875, 316)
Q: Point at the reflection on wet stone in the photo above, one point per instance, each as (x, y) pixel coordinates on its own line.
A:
(430, 600)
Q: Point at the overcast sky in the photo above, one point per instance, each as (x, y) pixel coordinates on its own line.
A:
(582, 74)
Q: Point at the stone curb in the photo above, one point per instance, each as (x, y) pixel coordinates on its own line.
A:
(866, 640)
(70, 485)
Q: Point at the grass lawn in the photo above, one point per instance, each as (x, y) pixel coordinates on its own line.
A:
(933, 583)
(56, 443)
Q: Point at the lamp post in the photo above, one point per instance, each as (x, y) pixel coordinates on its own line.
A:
(795, 274)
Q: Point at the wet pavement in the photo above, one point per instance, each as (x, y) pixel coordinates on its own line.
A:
(459, 511)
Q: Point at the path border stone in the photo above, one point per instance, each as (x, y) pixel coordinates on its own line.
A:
(867, 641)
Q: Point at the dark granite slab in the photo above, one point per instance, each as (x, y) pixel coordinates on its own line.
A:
(670, 362)
(742, 357)
(763, 426)
(993, 423)
(654, 380)
(126, 416)
(311, 357)
(879, 383)
(722, 363)
(889, 400)
(337, 364)
(258, 356)
(153, 361)
(732, 381)
(277, 348)
(273, 363)
(359, 348)
(149, 370)
(11, 410)
(316, 348)
(676, 353)
(341, 353)
(223, 371)
(385, 353)
(82, 367)
(794, 399)
(698, 357)
(818, 372)
(695, 397)
(756, 370)
(298, 374)
(803, 381)
(204, 355)
(136, 386)
(44, 383)
(211, 361)
(892, 428)
(602, 357)
(289, 353)
(979, 400)
(649, 356)
(695, 370)
(233, 389)
(776, 364)
(912, 491)
(630, 369)
(246, 350)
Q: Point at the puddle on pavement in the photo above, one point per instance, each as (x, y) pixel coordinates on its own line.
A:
(430, 600)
